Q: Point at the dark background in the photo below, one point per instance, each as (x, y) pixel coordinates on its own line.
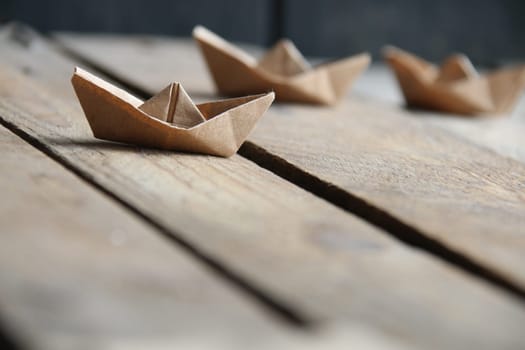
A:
(489, 31)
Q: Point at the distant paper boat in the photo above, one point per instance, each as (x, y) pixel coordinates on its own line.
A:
(283, 70)
(169, 120)
(455, 87)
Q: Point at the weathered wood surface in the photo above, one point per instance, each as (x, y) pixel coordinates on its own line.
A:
(503, 135)
(432, 182)
(79, 271)
(317, 261)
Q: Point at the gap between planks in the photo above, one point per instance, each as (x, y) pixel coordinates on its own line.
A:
(289, 315)
(333, 194)
(173, 299)
(374, 215)
(6, 340)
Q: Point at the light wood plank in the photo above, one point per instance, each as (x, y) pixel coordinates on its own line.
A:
(462, 196)
(305, 254)
(503, 135)
(78, 271)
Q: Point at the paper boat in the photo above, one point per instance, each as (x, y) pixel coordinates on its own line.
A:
(169, 120)
(283, 70)
(455, 86)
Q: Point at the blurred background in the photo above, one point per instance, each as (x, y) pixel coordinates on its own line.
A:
(489, 31)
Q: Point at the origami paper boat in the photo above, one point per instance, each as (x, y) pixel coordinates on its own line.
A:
(169, 120)
(455, 86)
(283, 70)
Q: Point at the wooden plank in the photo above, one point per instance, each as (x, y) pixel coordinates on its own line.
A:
(399, 172)
(133, 57)
(81, 272)
(78, 271)
(432, 183)
(307, 256)
(502, 135)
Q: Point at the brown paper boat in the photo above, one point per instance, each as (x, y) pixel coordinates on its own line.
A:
(169, 120)
(455, 86)
(283, 70)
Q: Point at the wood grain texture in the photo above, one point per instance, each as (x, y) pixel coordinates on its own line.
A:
(320, 262)
(78, 271)
(445, 188)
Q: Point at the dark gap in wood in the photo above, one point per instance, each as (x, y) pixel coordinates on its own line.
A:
(342, 199)
(7, 341)
(375, 216)
(281, 310)
(276, 21)
(96, 68)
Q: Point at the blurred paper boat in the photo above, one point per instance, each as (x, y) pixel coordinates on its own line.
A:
(455, 87)
(169, 120)
(283, 70)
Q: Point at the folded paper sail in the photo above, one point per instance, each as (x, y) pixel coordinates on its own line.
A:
(455, 86)
(283, 70)
(169, 120)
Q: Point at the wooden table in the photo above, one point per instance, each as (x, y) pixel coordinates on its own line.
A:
(362, 225)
